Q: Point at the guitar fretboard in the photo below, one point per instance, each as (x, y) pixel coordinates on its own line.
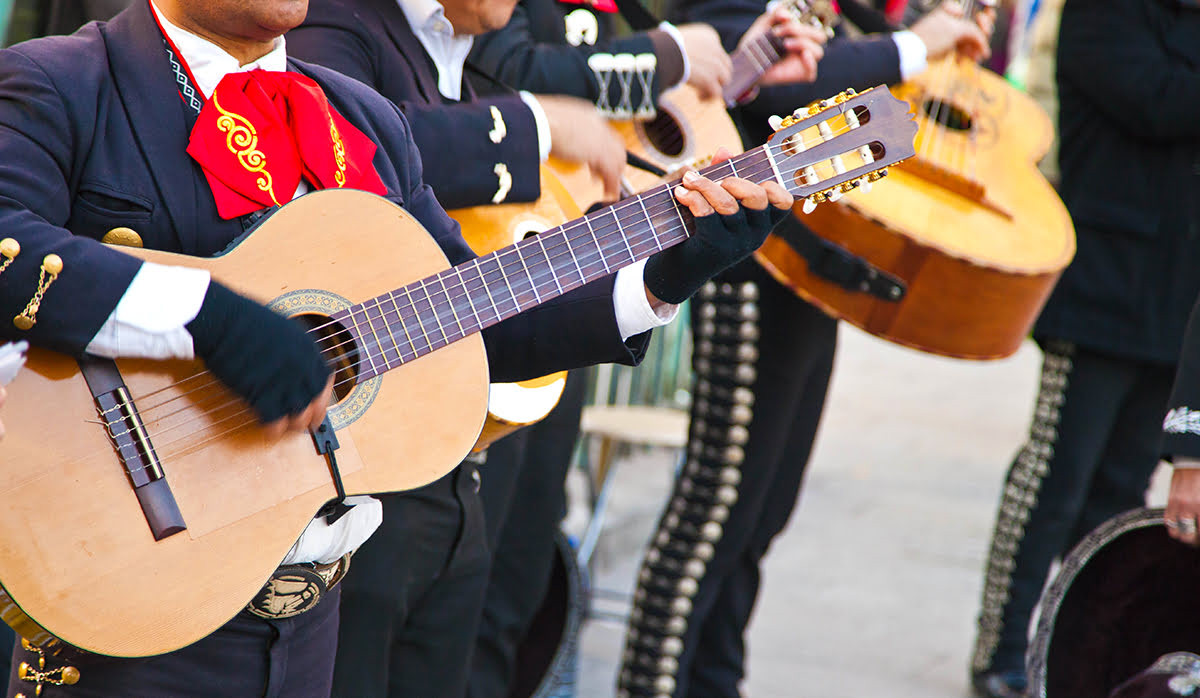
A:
(405, 324)
(750, 62)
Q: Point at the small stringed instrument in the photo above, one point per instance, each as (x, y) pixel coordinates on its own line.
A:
(487, 229)
(91, 559)
(686, 130)
(962, 244)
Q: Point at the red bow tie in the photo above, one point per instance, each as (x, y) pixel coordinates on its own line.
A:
(261, 131)
(597, 5)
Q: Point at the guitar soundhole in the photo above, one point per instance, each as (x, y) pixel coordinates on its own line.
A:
(665, 134)
(338, 347)
(947, 115)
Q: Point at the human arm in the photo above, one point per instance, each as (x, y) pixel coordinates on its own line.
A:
(1181, 436)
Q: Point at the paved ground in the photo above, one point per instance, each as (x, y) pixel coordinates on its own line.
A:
(873, 589)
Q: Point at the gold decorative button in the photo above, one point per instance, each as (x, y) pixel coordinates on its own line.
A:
(70, 675)
(10, 248)
(125, 237)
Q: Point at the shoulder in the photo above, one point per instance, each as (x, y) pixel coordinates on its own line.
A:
(348, 15)
(358, 102)
(74, 56)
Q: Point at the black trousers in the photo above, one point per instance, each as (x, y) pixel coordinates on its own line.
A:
(524, 502)
(411, 601)
(248, 656)
(1093, 445)
(796, 349)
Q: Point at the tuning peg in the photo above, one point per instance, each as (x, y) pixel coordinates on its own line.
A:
(809, 205)
(775, 122)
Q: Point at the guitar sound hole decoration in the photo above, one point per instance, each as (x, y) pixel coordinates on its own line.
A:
(665, 134)
(312, 308)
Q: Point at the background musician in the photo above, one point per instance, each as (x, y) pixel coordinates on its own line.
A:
(728, 504)
(97, 128)
(1111, 331)
(555, 47)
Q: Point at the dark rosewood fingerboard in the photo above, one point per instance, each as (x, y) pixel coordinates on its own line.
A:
(405, 324)
(750, 62)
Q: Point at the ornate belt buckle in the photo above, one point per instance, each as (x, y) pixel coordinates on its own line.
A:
(294, 589)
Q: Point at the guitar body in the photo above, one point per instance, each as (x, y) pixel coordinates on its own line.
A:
(77, 559)
(486, 229)
(975, 232)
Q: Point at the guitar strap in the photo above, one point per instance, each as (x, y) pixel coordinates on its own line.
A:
(836, 264)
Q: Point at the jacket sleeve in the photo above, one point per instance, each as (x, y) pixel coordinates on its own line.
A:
(39, 149)
(530, 60)
(1147, 90)
(475, 153)
(574, 330)
(1181, 428)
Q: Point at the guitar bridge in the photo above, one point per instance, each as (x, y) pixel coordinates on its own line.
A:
(128, 435)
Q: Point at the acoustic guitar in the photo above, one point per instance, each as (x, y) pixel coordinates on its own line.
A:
(958, 250)
(143, 511)
(487, 229)
(686, 130)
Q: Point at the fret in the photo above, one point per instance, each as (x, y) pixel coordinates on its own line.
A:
(400, 320)
(462, 282)
(650, 220)
(519, 251)
(599, 249)
(366, 345)
(412, 302)
(385, 327)
(453, 311)
(549, 261)
(433, 311)
(487, 289)
(620, 233)
(494, 261)
(575, 261)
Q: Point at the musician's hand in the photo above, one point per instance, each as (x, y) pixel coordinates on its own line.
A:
(803, 42)
(265, 358)
(1183, 502)
(3, 397)
(733, 217)
(579, 134)
(711, 67)
(945, 30)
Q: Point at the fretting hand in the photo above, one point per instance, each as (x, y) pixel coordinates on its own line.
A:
(710, 66)
(733, 218)
(579, 134)
(1183, 502)
(804, 44)
(265, 358)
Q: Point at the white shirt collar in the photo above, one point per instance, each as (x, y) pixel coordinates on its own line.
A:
(210, 63)
(427, 18)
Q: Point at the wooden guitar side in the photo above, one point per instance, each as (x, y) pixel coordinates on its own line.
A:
(76, 556)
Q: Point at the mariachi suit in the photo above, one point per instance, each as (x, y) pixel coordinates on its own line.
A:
(95, 133)
(762, 359)
(545, 48)
(371, 41)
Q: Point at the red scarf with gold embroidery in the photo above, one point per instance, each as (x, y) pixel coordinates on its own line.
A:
(261, 131)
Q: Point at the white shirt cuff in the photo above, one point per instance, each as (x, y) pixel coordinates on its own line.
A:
(543, 125)
(913, 54)
(687, 65)
(148, 322)
(324, 542)
(634, 313)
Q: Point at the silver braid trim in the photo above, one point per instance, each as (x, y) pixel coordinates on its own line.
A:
(627, 70)
(724, 358)
(1020, 495)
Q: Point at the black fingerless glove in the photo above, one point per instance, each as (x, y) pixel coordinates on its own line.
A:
(267, 359)
(717, 243)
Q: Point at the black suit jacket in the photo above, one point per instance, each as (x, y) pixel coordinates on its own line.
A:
(1129, 133)
(533, 52)
(849, 62)
(93, 135)
(371, 41)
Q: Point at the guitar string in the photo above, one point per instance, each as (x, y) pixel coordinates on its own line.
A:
(948, 88)
(607, 234)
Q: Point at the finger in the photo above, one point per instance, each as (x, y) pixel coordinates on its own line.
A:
(720, 156)
(748, 193)
(777, 195)
(721, 200)
(320, 406)
(694, 201)
(708, 87)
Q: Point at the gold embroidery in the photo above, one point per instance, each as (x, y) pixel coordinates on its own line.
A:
(61, 676)
(243, 142)
(339, 154)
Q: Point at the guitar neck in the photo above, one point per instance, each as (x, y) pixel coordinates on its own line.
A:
(431, 313)
(750, 63)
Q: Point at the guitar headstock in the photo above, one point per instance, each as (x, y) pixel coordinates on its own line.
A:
(816, 13)
(840, 144)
